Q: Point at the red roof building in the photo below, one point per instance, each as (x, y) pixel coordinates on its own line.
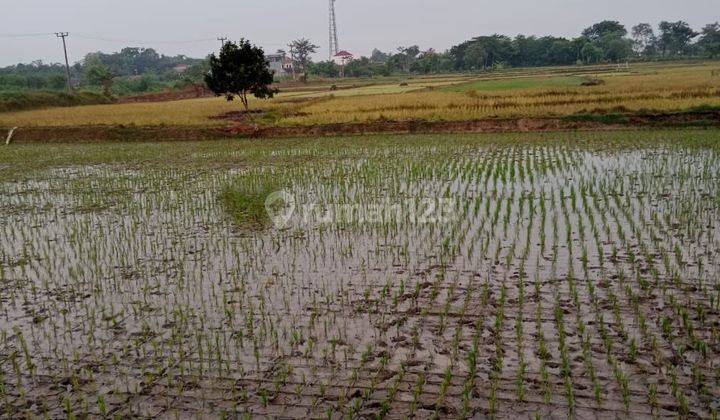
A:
(343, 57)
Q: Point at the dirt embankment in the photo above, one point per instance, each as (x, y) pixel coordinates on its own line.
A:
(243, 130)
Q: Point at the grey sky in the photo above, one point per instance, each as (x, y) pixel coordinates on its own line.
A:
(363, 25)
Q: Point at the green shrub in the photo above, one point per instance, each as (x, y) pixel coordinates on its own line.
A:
(244, 200)
(25, 100)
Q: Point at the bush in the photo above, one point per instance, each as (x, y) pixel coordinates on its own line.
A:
(20, 101)
(136, 85)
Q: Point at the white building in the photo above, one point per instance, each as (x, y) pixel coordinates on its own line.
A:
(280, 64)
(342, 58)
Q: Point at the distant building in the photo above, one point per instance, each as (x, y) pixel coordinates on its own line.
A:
(280, 64)
(181, 68)
(288, 65)
(342, 58)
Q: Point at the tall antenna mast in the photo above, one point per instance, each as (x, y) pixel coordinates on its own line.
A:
(333, 31)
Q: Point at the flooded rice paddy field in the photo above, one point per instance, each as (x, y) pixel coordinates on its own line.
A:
(573, 275)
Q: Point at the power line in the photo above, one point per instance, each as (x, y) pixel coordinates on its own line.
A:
(100, 38)
(37, 35)
(222, 40)
(92, 37)
(106, 39)
(138, 41)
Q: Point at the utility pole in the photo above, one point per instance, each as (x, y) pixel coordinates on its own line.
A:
(64, 35)
(292, 59)
(222, 40)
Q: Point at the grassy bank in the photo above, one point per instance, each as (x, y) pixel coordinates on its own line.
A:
(28, 100)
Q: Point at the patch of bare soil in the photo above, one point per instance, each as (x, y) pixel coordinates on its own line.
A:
(239, 116)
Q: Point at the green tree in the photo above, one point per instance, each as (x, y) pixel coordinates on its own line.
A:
(644, 40)
(404, 59)
(604, 29)
(139, 61)
(363, 67)
(676, 38)
(97, 74)
(615, 48)
(527, 51)
(57, 81)
(14, 81)
(300, 51)
(379, 57)
(561, 52)
(195, 74)
(710, 41)
(591, 53)
(609, 37)
(475, 57)
(432, 62)
(239, 70)
(35, 82)
(324, 69)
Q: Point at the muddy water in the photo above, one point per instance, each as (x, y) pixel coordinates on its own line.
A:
(569, 281)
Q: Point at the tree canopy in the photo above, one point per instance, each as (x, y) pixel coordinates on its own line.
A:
(606, 28)
(239, 70)
(675, 38)
(97, 74)
(300, 50)
(710, 40)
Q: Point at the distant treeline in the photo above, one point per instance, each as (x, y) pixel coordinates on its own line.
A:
(604, 42)
(130, 71)
(139, 70)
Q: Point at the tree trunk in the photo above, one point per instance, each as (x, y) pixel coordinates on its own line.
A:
(244, 99)
(107, 87)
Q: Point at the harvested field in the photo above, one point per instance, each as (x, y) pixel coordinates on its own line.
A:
(512, 275)
(530, 93)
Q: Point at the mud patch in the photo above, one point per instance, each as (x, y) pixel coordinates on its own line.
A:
(239, 116)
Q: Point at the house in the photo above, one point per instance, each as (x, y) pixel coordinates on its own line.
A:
(280, 64)
(181, 68)
(342, 58)
(288, 65)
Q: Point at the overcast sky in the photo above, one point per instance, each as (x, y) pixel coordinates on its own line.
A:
(191, 26)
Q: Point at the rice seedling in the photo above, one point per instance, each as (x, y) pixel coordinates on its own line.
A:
(579, 272)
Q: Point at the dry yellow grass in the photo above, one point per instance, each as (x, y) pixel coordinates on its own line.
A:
(650, 87)
(660, 90)
(389, 88)
(184, 112)
(190, 111)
